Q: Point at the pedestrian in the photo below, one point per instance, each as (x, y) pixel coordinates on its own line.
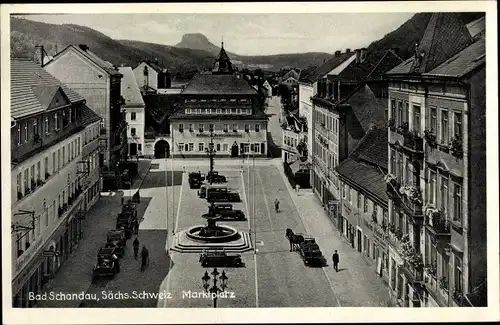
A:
(277, 205)
(145, 257)
(335, 259)
(297, 188)
(136, 226)
(117, 263)
(136, 247)
(122, 199)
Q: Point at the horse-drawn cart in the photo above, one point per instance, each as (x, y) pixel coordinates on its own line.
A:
(306, 246)
(106, 264)
(310, 252)
(219, 258)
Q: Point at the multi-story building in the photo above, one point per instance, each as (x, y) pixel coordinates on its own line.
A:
(364, 203)
(134, 109)
(308, 88)
(347, 104)
(436, 185)
(221, 106)
(100, 83)
(151, 76)
(293, 144)
(52, 130)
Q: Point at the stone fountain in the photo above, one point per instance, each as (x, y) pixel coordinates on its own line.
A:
(211, 236)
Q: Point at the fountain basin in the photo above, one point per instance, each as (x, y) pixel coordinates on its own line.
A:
(223, 234)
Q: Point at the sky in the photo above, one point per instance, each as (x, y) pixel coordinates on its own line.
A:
(245, 34)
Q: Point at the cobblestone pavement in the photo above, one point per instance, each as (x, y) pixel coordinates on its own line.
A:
(356, 283)
(74, 276)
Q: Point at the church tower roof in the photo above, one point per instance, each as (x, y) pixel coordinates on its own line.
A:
(222, 64)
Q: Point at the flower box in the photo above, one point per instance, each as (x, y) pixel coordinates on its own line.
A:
(391, 123)
(413, 141)
(430, 138)
(403, 128)
(456, 147)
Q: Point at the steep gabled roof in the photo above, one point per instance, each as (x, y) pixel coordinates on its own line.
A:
(155, 66)
(463, 62)
(130, 89)
(328, 66)
(89, 116)
(304, 73)
(445, 36)
(375, 65)
(364, 167)
(220, 84)
(103, 64)
(32, 88)
(160, 106)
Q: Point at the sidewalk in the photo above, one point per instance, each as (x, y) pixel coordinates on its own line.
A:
(356, 284)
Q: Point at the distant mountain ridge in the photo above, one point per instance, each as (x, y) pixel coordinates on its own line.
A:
(195, 52)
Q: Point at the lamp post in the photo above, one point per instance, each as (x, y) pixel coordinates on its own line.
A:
(214, 289)
(211, 153)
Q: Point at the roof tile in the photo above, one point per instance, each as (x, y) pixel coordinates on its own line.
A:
(27, 76)
(329, 65)
(218, 84)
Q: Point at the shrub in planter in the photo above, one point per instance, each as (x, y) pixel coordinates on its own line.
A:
(430, 138)
(456, 147)
(47, 175)
(443, 283)
(403, 128)
(392, 124)
(19, 195)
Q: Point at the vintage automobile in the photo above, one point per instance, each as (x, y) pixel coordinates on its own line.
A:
(219, 257)
(202, 192)
(226, 212)
(124, 221)
(117, 239)
(197, 175)
(106, 265)
(195, 183)
(310, 252)
(222, 195)
(214, 177)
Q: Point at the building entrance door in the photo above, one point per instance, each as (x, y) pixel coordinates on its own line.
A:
(234, 150)
(162, 149)
(360, 241)
(133, 149)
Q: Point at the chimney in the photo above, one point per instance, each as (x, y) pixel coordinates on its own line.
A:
(348, 50)
(363, 54)
(39, 55)
(358, 55)
(83, 47)
(337, 53)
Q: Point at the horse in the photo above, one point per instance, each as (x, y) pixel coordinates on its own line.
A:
(293, 238)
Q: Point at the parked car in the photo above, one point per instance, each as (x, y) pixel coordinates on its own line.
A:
(202, 192)
(214, 177)
(222, 195)
(227, 212)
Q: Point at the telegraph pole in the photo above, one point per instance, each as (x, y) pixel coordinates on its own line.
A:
(173, 189)
(253, 204)
(166, 199)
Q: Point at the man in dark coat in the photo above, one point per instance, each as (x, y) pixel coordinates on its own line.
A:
(335, 258)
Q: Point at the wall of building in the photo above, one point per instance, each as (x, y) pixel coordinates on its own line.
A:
(477, 180)
(152, 76)
(222, 139)
(137, 124)
(306, 109)
(56, 188)
(90, 81)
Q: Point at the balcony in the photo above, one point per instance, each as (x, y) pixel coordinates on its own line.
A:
(395, 237)
(413, 142)
(436, 224)
(414, 273)
(411, 200)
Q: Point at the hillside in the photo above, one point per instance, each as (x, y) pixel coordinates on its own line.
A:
(195, 51)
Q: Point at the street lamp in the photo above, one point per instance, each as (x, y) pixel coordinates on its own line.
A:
(211, 153)
(214, 290)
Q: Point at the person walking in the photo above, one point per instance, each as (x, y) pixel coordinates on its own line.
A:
(136, 247)
(145, 258)
(335, 259)
(136, 226)
(277, 205)
(297, 188)
(117, 263)
(123, 199)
